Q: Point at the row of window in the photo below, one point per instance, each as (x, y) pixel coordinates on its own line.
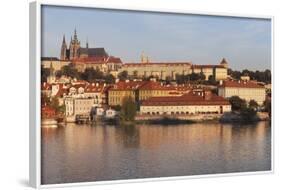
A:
(180, 113)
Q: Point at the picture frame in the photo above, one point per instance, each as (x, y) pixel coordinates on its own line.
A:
(35, 93)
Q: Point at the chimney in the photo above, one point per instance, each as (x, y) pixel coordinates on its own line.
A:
(221, 82)
(116, 80)
(126, 80)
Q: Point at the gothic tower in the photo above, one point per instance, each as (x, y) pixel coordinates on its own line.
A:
(63, 49)
(74, 46)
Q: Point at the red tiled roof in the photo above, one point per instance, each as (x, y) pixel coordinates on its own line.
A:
(130, 85)
(112, 59)
(79, 85)
(207, 66)
(46, 86)
(190, 98)
(90, 60)
(95, 87)
(241, 84)
(48, 111)
(153, 85)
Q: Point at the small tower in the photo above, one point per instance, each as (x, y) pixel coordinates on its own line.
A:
(224, 63)
(52, 77)
(87, 44)
(63, 49)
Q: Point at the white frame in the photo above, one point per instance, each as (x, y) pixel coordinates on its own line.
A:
(34, 91)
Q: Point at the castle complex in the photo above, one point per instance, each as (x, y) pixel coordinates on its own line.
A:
(98, 58)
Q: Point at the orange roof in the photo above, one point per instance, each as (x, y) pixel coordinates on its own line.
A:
(153, 85)
(46, 86)
(112, 59)
(241, 84)
(79, 85)
(191, 98)
(207, 66)
(95, 87)
(91, 60)
(130, 85)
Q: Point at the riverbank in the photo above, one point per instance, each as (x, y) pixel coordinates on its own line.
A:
(236, 117)
(231, 117)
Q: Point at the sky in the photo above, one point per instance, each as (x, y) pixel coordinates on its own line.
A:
(244, 42)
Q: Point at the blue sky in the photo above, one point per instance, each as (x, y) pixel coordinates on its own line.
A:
(245, 43)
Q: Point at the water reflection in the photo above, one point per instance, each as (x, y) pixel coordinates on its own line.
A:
(79, 153)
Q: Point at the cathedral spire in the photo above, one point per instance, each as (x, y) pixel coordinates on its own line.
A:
(63, 49)
(87, 44)
(75, 34)
(63, 40)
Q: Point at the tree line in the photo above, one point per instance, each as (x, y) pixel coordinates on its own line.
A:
(89, 74)
(260, 76)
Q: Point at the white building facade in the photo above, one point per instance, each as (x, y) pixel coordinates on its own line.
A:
(245, 90)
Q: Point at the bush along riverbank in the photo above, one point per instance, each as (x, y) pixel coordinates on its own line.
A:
(165, 121)
(245, 116)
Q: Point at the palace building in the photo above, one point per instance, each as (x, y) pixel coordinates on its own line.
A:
(164, 70)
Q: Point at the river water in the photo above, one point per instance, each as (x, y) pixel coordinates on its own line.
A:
(84, 153)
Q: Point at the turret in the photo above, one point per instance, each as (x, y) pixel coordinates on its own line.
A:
(224, 63)
(87, 44)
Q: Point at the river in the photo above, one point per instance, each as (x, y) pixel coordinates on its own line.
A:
(85, 153)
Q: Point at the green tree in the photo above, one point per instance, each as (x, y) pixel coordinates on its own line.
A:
(45, 100)
(267, 105)
(70, 70)
(123, 75)
(248, 114)
(128, 109)
(109, 79)
(90, 74)
(202, 76)
(253, 104)
(45, 72)
(54, 103)
(237, 103)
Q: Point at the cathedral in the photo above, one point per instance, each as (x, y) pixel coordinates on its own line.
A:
(75, 51)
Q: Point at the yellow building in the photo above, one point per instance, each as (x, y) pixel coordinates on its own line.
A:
(123, 89)
(142, 90)
(57, 64)
(162, 70)
(218, 72)
(157, 89)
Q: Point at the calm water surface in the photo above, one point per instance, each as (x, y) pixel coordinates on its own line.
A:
(82, 153)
